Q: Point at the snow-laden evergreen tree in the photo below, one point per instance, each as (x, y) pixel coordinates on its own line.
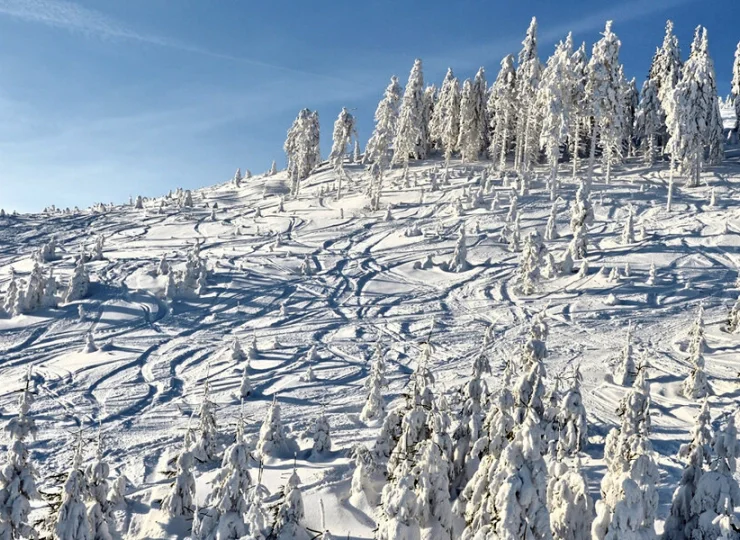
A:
(399, 508)
(273, 169)
(344, 130)
(696, 386)
(502, 108)
(473, 124)
(717, 492)
(411, 133)
(48, 251)
(459, 260)
(628, 230)
(96, 474)
(179, 501)
(245, 386)
(572, 418)
(32, 296)
(206, 446)
(163, 268)
(97, 254)
(631, 102)
(374, 407)
(627, 370)
(469, 141)
(551, 232)
(441, 111)
(604, 85)
(448, 108)
(469, 429)
(321, 435)
(257, 518)
(238, 177)
(302, 147)
(227, 503)
(517, 492)
(665, 69)
(580, 106)
(527, 79)
(433, 492)
(290, 513)
(18, 475)
(71, 520)
(430, 102)
(10, 301)
(629, 500)
(273, 441)
(649, 120)
(555, 106)
(569, 502)
(735, 89)
(530, 263)
(697, 454)
(377, 151)
(692, 118)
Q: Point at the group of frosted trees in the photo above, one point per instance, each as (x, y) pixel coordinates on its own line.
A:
(506, 464)
(40, 289)
(572, 107)
(82, 510)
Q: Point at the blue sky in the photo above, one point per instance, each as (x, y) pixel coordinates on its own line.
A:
(104, 99)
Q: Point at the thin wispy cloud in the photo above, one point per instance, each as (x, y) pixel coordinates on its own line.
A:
(75, 18)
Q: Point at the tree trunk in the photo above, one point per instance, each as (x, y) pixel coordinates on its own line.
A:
(592, 157)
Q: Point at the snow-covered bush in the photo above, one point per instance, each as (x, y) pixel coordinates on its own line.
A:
(273, 441)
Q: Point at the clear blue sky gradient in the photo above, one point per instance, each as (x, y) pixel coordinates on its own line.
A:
(104, 99)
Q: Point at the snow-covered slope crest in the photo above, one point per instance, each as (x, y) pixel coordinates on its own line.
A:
(307, 286)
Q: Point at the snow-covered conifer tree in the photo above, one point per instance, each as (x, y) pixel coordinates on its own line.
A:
(273, 442)
(696, 386)
(374, 404)
(604, 85)
(320, 432)
(469, 141)
(628, 231)
(627, 371)
(238, 177)
(527, 79)
(569, 502)
(290, 513)
(430, 102)
(448, 108)
(551, 226)
(530, 263)
(717, 492)
(553, 101)
(649, 120)
(17, 476)
(572, 418)
(206, 447)
(386, 119)
(302, 147)
(71, 520)
(227, 503)
(344, 130)
(399, 519)
(693, 113)
(441, 111)
(629, 496)
(411, 133)
(459, 260)
(180, 499)
(433, 491)
(501, 107)
(580, 106)
(735, 89)
(96, 474)
(697, 453)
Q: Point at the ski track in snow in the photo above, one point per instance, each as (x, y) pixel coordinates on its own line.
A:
(365, 287)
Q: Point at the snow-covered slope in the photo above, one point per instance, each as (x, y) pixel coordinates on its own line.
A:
(366, 285)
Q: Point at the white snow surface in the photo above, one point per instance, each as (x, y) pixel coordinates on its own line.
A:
(366, 286)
